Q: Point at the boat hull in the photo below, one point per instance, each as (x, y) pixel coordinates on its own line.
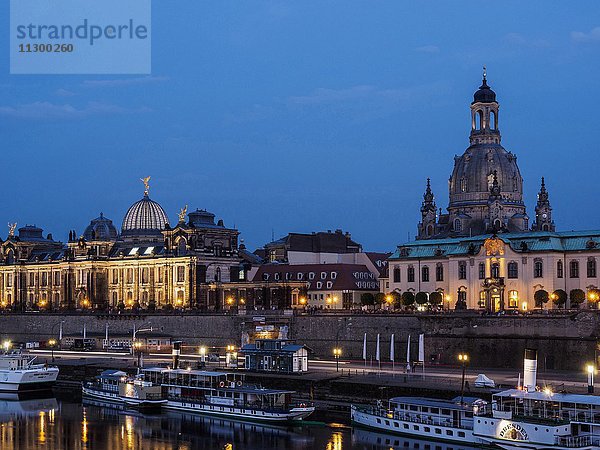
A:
(114, 397)
(239, 413)
(27, 380)
(413, 429)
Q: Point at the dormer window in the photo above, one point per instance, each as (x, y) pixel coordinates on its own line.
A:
(300, 275)
(323, 275)
(311, 276)
(319, 285)
(333, 275)
(329, 284)
(277, 276)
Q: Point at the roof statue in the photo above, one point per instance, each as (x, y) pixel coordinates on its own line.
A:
(146, 182)
(182, 214)
(11, 229)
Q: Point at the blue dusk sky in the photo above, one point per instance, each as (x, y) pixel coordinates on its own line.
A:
(283, 116)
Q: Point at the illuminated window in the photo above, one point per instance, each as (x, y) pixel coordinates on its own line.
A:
(482, 299)
(495, 270)
(180, 274)
(513, 299)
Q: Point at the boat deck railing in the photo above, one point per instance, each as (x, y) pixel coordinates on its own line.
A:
(550, 416)
(248, 405)
(585, 440)
(415, 418)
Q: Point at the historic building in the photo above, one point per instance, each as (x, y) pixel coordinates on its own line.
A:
(482, 253)
(198, 263)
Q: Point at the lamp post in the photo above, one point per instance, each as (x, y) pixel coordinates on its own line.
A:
(337, 352)
(52, 344)
(231, 356)
(137, 348)
(590, 371)
(464, 359)
(6, 345)
(203, 354)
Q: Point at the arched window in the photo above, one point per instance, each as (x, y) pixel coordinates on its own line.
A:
(457, 225)
(545, 227)
(115, 299)
(145, 275)
(439, 272)
(57, 299)
(396, 274)
(513, 299)
(574, 269)
(538, 268)
(478, 119)
(513, 269)
(463, 184)
(129, 276)
(493, 121)
(425, 273)
(429, 230)
(497, 224)
(591, 268)
(181, 247)
(218, 274)
(410, 274)
(495, 270)
(559, 269)
(10, 257)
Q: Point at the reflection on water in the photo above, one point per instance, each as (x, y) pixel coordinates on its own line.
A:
(51, 424)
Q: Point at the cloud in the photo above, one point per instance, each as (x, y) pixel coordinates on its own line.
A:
(360, 93)
(64, 93)
(119, 82)
(47, 110)
(428, 49)
(592, 36)
(519, 39)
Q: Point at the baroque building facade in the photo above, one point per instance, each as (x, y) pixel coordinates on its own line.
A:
(198, 263)
(482, 253)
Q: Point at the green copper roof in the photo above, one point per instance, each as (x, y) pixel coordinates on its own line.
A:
(535, 241)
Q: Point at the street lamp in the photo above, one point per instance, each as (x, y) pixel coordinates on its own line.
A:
(231, 356)
(52, 344)
(137, 346)
(463, 358)
(590, 371)
(203, 354)
(337, 352)
(6, 344)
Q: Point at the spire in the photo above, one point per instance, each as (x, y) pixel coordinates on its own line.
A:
(428, 196)
(543, 195)
(543, 211)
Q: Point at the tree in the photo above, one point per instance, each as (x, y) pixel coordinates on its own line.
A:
(541, 297)
(436, 299)
(577, 297)
(408, 298)
(367, 299)
(421, 298)
(152, 305)
(121, 305)
(396, 300)
(379, 298)
(559, 298)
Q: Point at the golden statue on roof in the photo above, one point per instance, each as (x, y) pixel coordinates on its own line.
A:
(146, 182)
(182, 214)
(11, 229)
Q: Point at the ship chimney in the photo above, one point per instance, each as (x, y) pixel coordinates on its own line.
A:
(530, 370)
(175, 353)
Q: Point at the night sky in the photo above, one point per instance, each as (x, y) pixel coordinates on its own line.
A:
(304, 116)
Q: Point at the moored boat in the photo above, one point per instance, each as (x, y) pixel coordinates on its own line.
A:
(19, 373)
(225, 394)
(116, 386)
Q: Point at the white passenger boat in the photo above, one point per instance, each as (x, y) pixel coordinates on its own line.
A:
(135, 392)
(226, 395)
(446, 420)
(524, 418)
(19, 373)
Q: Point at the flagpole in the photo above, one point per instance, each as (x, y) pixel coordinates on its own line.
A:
(392, 351)
(408, 355)
(378, 355)
(365, 349)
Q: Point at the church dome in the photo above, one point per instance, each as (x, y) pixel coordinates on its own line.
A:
(100, 229)
(474, 172)
(144, 217)
(484, 94)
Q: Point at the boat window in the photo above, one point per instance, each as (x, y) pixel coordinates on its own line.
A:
(387, 422)
(461, 434)
(413, 408)
(427, 429)
(435, 410)
(416, 427)
(406, 426)
(449, 433)
(396, 424)
(378, 420)
(446, 412)
(468, 414)
(438, 431)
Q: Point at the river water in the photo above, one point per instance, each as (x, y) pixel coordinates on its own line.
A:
(68, 424)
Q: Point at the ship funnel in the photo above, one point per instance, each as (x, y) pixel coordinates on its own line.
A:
(530, 370)
(175, 353)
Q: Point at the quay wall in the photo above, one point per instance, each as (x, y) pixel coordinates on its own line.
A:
(564, 341)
